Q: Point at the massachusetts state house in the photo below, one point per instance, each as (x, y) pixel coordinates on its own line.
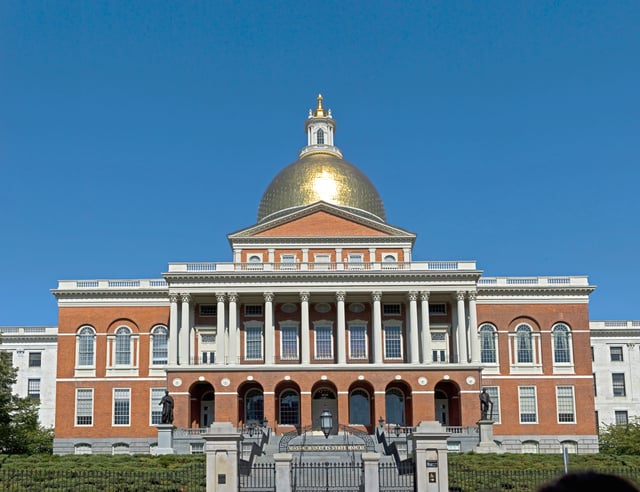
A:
(323, 306)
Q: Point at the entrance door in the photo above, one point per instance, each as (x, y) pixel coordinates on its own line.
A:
(442, 408)
(324, 398)
(206, 410)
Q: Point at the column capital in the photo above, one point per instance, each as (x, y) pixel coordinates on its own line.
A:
(233, 296)
(412, 295)
(472, 295)
(460, 295)
(220, 296)
(268, 296)
(185, 297)
(173, 297)
(305, 296)
(376, 295)
(424, 295)
(341, 295)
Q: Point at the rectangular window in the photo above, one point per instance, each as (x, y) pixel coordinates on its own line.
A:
(357, 342)
(156, 409)
(619, 387)
(253, 349)
(439, 355)
(35, 359)
(208, 357)
(616, 354)
(622, 417)
(253, 309)
(287, 262)
(324, 342)
(196, 448)
(494, 394)
(84, 406)
(121, 406)
(289, 342)
(595, 386)
(392, 342)
(528, 405)
(438, 309)
(391, 309)
(208, 310)
(33, 388)
(321, 261)
(356, 261)
(592, 355)
(566, 404)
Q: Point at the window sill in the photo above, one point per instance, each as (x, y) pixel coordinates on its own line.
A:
(124, 371)
(89, 372)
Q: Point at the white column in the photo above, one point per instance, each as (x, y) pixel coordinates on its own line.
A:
(269, 331)
(414, 344)
(304, 329)
(473, 329)
(427, 357)
(341, 337)
(377, 327)
(221, 337)
(183, 355)
(462, 330)
(173, 330)
(234, 344)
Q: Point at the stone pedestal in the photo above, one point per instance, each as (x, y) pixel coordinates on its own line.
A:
(283, 471)
(222, 448)
(486, 444)
(165, 440)
(430, 455)
(371, 476)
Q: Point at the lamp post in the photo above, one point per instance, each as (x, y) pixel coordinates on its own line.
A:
(326, 422)
(381, 421)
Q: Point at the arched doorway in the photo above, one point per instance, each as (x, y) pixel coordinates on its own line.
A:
(324, 397)
(447, 403)
(288, 404)
(202, 404)
(251, 404)
(397, 404)
(361, 405)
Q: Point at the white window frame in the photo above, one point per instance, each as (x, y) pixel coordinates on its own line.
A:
(573, 404)
(113, 406)
(355, 261)
(253, 326)
(611, 347)
(624, 385)
(288, 261)
(86, 391)
(322, 261)
(289, 326)
(387, 325)
(621, 413)
(130, 369)
(33, 388)
(495, 399)
(562, 367)
(153, 338)
(360, 325)
(494, 333)
(439, 346)
(535, 366)
(328, 325)
(520, 401)
(86, 367)
(155, 395)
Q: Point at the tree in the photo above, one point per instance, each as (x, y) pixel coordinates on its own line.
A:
(20, 432)
(620, 439)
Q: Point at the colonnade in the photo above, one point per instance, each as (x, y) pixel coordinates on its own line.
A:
(465, 344)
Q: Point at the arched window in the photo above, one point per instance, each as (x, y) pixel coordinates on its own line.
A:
(123, 346)
(254, 406)
(120, 448)
(394, 406)
(320, 136)
(289, 408)
(488, 344)
(86, 347)
(160, 350)
(359, 407)
(524, 344)
(82, 448)
(570, 446)
(561, 345)
(530, 447)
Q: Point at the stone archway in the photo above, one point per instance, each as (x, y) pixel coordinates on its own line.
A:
(447, 403)
(324, 397)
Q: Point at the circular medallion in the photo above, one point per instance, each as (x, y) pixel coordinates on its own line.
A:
(446, 377)
(289, 308)
(323, 307)
(287, 378)
(398, 377)
(225, 382)
(323, 377)
(249, 378)
(356, 307)
(422, 381)
(177, 382)
(471, 380)
(201, 378)
(361, 378)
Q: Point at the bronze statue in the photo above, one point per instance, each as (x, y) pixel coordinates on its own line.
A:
(486, 405)
(167, 408)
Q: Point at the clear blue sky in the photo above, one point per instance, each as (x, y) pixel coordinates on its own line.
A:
(133, 134)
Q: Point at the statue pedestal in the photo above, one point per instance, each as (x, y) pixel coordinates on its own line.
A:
(165, 440)
(486, 444)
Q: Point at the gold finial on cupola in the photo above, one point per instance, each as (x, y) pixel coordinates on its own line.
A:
(319, 112)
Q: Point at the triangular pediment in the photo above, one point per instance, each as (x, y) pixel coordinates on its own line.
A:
(321, 220)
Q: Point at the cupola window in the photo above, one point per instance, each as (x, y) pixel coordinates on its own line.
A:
(320, 136)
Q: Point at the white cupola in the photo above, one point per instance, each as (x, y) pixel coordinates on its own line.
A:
(320, 128)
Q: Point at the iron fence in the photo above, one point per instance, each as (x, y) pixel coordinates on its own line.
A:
(463, 479)
(327, 477)
(187, 479)
(391, 480)
(261, 478)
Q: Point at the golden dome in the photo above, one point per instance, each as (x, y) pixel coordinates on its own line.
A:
(324, 177)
